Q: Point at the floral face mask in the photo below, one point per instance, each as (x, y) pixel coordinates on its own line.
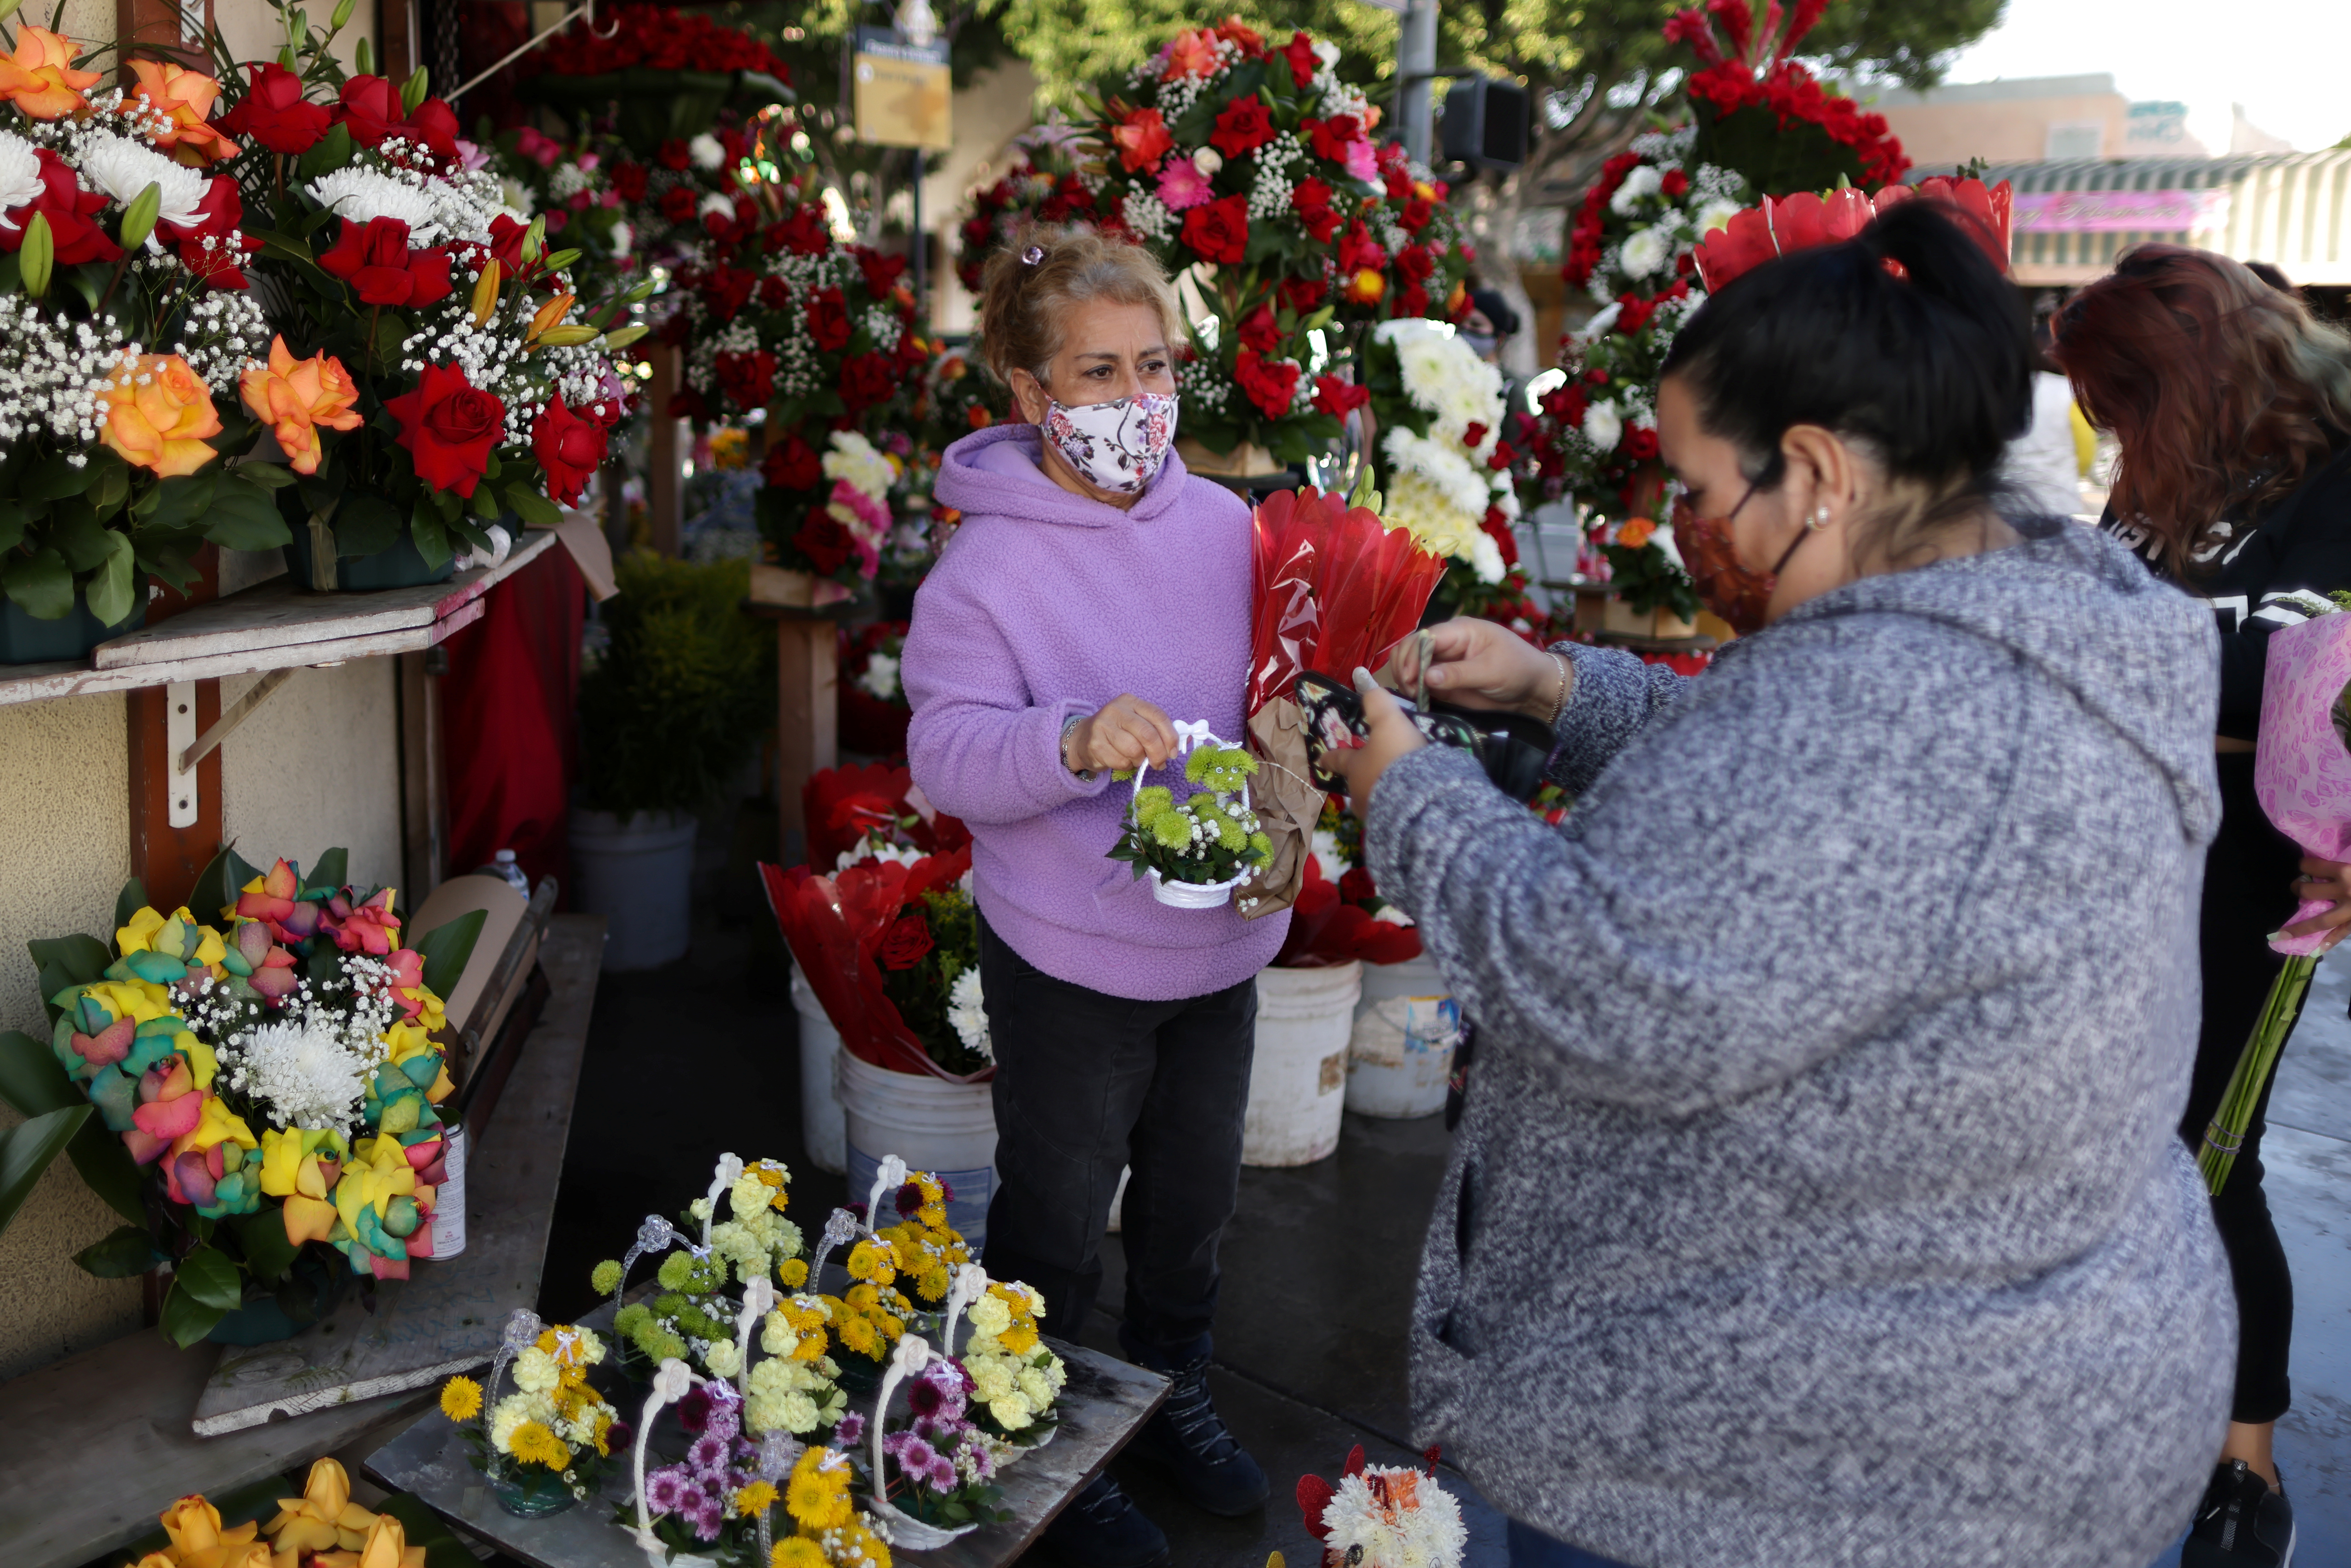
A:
(1118, 445)
(1728, 588)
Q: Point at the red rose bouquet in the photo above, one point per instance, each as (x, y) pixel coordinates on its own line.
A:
(663, 74)
(1764, 114)
(1340, 916)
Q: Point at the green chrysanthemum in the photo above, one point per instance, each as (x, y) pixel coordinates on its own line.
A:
(1228, 833)
(1195, 766)
(606, 1277)
(1172, 829)
(1261, 848)
(1151, 800)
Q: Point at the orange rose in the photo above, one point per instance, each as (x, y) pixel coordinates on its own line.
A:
(1636, 533)
(40, 77)
(187, 97)
(158, 412)
(294, 397)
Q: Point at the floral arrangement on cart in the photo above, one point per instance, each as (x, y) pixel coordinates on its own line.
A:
(117, 463)
(264, 1077)
(1250, 168)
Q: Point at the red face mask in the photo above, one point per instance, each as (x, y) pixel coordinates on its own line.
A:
(1726, 586)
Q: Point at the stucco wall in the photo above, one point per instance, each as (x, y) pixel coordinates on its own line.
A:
(317, 768)
(65, 853)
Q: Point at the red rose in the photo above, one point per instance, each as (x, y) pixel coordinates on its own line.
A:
(1142, 140)
(866, 380)
(1412, 300)
(1415, 262)
(1497, 528)
(1640, 444)
(1331, 137)
(880, 271)
(1311, 198)
(1303, 62)
(375, 260)
(1218, 230)
(1356, 887)
(1243, 127)
(727, 290)
(448, 425)
(1339, 397)
(1675, 183)
(369, 109)
(828, 321)
(676, 203)
(1258, 331)
(68, 207)
(506, 242)
(629, 181)
(1415, 216)
(570, 448)
(1304, 294)
(792, 463)
(805, 232)
(749, 379)
(1268, 384)
(214, 247)
(825, 542)
(1358, 252)
(273, 112)
(908, 942)
(775, 293)
(674, 155)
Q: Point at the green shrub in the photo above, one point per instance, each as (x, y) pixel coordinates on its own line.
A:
(683, 692)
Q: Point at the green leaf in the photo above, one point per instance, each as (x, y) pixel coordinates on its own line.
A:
(262, 1236)
(208, 1275)
(269, 475)
(533, 508)
(365, 524)
(217, 885)
(78, 534)
(12, 523)
(129, 902)
(285, 244)
(126, 1254)
(330, 871)
(446, 949)
(110, 592)
(424, 1528)
(429, 535)
(51, 478)
(187, 1319)
(25, 1151)
(244, 516)
(180, 501)
(32, 1082)
(332, 152)
(83, 958)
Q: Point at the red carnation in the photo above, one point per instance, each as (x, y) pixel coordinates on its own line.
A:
(828, 321)
(792, 463)
(1218, 230)
(449, 426)
(1497, 528)
(1269, 383)
(629, 181)
(273, 112)
(1415, 216)
(1675, 184)
(1243, 127)
(570, 448)
(1303, 61)
(1339, 397)
(1358, 252)
(1258, 331)
(1355, 885)
(727, 290)
(68, 207)
(775, 293)
(749, 379)
(825, 542)
(1331, 137)
(908, 942)
(866, 380)
(375, 260)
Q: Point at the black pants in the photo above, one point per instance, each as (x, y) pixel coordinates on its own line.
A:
(1087, 1084)
(2248, 894)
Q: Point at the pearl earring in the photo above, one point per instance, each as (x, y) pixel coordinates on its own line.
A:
(1818, 520)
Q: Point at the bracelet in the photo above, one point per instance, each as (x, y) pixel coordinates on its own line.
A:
(1566, 683)
(1068, 724)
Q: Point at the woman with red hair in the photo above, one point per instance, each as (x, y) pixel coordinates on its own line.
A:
(2232, 408)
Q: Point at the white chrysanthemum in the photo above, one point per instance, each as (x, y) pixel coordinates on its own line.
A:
(1389, 912)
(715, 205)
(1641, 180)
(1444, 466)
(1391, 1516)
(1714, 215)
(308, 1069)
(623, 237)
(1646, 252)
(875, 847)
(706, 151)
(1604, 426)
(968, 1013)
(518, 196)
(1664, 539)
(510, 1413)
(723, 1359)
(1327, 855)
(880, 676)
(361, 195)
(1486, 558)
(122, 168)
(20, 175)
(852, 457)
(1443, 376)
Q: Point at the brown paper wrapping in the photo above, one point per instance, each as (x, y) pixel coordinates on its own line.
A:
(1288, 805)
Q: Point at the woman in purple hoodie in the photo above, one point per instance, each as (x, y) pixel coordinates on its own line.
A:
(1095, 593)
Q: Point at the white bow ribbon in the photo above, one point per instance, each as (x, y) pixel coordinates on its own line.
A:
(1189, 734)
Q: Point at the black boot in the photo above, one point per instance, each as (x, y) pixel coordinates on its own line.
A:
(2243, 1523)
(1189, 1440)
(1101, 1528)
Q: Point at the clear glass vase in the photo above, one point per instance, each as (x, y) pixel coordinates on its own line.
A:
(511, 1486)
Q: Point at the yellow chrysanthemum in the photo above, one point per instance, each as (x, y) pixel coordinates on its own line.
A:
(535, 1445)
(874, 1262)
(792, 1273)
(601, 1434)
(798, 1553)
(755, 1499)
(461, 1399)
(857, 1335)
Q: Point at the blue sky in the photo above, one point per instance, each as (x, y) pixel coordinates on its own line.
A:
(2287, 61)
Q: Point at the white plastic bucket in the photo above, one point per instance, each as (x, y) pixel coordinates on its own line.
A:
(821, 1131)
(638, 874)
(1298, 1081)
(1401, 1053)
(947, 1129)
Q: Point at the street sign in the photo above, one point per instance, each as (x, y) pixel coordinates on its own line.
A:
(903, 91)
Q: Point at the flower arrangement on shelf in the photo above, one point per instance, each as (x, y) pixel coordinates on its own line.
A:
(442, 384)
(1760, 111)
(120, 463)
(1444, 466)
(665, 72)
(569, 186)
(321, 1526)
(1340, 916)
(271, 1082)
(545, 1446)
(1384, 1516)
(1044, 184)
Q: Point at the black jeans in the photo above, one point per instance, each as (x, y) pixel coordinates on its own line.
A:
(1087, 1084)
(2247, 896)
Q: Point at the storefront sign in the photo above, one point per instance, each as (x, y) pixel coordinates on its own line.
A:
(903, 91)
(2110, 212)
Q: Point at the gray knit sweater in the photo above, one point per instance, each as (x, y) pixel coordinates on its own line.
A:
(1819, 1200)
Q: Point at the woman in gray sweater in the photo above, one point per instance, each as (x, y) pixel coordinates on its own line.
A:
(1817, 1199)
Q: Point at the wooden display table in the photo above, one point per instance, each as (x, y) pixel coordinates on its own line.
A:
(1105, 1404)
(808, 708)
(95, 1446)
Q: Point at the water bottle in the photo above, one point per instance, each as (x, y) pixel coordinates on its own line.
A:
(502, 863)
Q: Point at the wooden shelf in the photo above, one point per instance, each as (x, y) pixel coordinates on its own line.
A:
(273, 626)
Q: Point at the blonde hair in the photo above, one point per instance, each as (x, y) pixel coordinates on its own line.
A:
(1023, 303)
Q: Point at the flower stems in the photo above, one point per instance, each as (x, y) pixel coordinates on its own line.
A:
(2226, 1133)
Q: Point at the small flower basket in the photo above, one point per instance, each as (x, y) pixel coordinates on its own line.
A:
(544, 1446)
(1197, 850)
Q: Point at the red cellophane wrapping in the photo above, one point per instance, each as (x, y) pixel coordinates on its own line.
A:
(1326, 928)
(841, 805)
(834, 925)
(1334, 588)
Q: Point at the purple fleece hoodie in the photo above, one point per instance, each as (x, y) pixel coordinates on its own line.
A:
(1046, 605)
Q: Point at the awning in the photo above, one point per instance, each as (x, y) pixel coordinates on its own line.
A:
(2075, 217)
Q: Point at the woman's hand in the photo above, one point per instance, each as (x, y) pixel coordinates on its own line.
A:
(1478, 664)
(2324, 880)
(1392, 736)
(1126, 733)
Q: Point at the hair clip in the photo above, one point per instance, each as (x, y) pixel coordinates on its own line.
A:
(1033, 254)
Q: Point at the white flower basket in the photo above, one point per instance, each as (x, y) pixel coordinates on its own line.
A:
(1193, 894)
